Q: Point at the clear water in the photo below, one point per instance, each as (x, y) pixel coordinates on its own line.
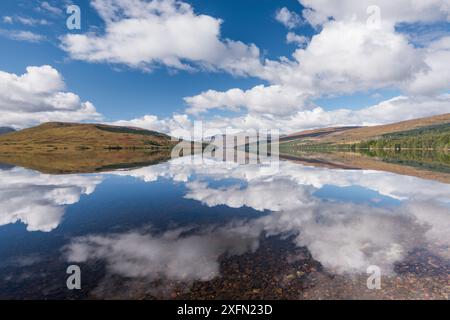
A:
(221, 230)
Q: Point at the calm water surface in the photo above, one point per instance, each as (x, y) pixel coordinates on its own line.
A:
(214, 229)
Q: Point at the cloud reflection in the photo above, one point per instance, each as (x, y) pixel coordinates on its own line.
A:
(39, 200)
(344, 237)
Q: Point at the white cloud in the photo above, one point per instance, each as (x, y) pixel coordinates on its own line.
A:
(28, 21)
(50, 8)
(345, 57)
(351, 56)
(20, 35)
(403, 108)
(436, 78)
(392, 12)
(389, 111)
(315, 18)
(300, 40)
(348, 55)
(7, 19)
(176, 126)
(261, 115)
(145, 34)
(38, 96)
(277, 100)
(393, 110)
(288, 18)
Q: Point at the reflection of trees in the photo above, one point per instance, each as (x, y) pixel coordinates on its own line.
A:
(426, 159)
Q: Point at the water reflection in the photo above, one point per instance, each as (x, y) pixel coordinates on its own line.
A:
(39, 200)
(341, 220)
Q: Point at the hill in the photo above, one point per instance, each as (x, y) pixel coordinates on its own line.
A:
(4, 130)
(406, 133)
(58, 136)
(314, 134)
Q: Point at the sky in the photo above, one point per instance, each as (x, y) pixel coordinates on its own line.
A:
(252, 64)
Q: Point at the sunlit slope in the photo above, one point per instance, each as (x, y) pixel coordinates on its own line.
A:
(56, 136)
(347, 136)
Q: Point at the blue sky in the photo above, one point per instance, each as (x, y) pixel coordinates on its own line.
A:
(315, 81)
(121, 93)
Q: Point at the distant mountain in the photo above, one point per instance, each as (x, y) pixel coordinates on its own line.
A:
(4, 130)
(432, 128)
(58, 136)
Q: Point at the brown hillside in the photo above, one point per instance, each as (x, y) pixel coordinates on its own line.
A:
(314, 133)
(344, 135)
(56, 136)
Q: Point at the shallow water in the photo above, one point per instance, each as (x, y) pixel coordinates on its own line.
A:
(214, 229)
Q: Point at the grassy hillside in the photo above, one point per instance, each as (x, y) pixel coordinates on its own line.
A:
(436, 137)
(56, 137)
(314, 134)
(432, 132)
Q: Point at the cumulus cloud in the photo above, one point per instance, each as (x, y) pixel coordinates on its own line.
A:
(288, 18)
(318, 12)
(436, 77)
(402, 108)
(144, 34)
(345, 57)
(350, 56)
(310, 116)
(38, 96)
(278, 100)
